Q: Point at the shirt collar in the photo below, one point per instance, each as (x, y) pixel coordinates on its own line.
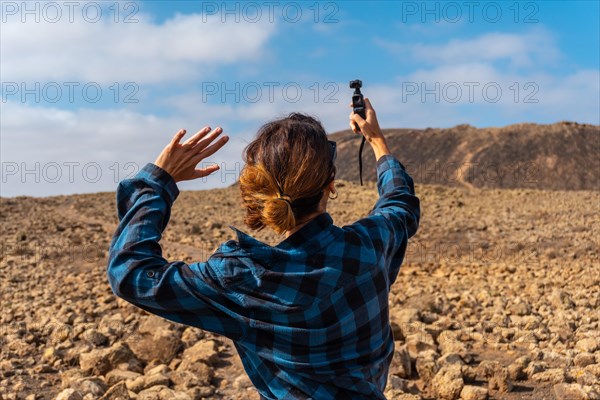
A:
(314, 234)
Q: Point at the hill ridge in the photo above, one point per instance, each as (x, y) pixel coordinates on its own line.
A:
(558, 156)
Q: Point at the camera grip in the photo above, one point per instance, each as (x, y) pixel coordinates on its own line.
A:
(358, 106)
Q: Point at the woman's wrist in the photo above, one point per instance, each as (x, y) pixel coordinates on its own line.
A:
(380, 148)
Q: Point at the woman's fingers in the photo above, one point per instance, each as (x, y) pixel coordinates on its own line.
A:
(199, 135)
(210, 150)
(206, 139)
(205, 153)
(202, 172)
(177, 137)
(358, 119)
(354, 123)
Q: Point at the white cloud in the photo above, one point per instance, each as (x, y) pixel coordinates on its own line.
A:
(488, 90)
(521, 50)
(182, 48)
(114, 137)
(524, 97)
(92, 150)
(329, 103)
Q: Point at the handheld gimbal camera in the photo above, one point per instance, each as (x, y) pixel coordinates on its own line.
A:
(358, 105)
(358, 101)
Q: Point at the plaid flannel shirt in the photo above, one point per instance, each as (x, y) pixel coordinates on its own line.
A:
(309, 316)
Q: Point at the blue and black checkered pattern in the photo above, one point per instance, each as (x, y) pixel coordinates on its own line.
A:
(309, 316)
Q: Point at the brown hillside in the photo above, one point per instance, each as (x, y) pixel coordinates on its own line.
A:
(560, 156)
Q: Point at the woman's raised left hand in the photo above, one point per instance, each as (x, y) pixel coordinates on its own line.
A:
(180, 159)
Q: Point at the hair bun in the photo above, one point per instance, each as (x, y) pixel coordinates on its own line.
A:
(286, 198)
(278, 213)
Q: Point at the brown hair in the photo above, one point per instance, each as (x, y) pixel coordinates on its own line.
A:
(288, 165)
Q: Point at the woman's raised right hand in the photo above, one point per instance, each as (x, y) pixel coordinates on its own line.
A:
(369, 128)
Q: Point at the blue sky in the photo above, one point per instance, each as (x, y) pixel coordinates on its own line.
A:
(92, 93)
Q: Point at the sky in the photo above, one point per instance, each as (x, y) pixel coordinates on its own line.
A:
(91, 91)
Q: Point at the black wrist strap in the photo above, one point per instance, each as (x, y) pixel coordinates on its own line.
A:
(362, 144)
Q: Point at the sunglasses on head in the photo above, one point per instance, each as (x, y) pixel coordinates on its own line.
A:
(332, 148)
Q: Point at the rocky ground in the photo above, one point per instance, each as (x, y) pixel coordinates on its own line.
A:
(498, 298)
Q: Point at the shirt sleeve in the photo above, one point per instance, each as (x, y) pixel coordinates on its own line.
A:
(189, 294)
(395, 216)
